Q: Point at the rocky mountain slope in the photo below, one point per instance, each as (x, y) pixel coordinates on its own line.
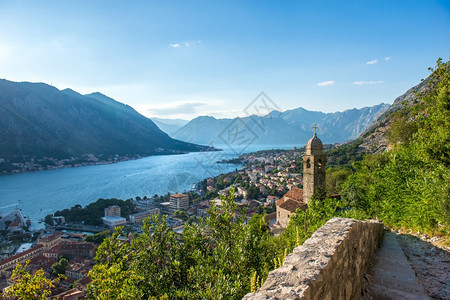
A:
(292, 127)
(374, 139)
(38, 120)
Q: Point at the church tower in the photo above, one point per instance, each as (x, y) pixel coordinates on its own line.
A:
(313, 168)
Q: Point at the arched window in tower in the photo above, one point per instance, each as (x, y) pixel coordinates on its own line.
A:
(319, 163)
(308, 164)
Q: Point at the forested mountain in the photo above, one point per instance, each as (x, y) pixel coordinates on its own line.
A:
(38, 120)
(292, 127)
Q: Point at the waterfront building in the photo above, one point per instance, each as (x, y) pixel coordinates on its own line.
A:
(114, 221)
(112, 211)
(138, 217)
(179, 202)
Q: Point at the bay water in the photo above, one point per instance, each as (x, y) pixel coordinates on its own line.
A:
(41, 193)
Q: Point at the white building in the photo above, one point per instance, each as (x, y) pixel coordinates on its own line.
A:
(113, 221)
(138, 217)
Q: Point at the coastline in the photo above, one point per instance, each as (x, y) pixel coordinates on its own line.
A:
(30, 166)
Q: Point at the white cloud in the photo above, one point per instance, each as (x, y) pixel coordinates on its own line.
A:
(185, 44)
(387, 58)
(367, 82)
(176, 108)
(326, 83)
(371, 62)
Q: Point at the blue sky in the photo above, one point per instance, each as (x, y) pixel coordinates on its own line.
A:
(182, 59)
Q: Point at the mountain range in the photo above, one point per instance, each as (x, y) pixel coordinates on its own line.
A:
(291, 127)
(38, 120)
(169, 126)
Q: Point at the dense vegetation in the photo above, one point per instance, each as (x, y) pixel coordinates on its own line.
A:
(222, 257)
(92, 213)
(409, 185)
(345, 155)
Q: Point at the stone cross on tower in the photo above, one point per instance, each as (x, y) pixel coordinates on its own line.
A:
(315, 127)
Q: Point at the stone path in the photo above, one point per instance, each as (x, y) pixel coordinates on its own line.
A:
(393, 277)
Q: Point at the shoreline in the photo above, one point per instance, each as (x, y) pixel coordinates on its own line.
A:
(85, 163)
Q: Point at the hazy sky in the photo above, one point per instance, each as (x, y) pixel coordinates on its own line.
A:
(188, 58)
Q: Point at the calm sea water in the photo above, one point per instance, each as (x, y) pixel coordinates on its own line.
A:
(44, 192)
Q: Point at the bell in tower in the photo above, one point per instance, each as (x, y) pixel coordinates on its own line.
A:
(313, 168)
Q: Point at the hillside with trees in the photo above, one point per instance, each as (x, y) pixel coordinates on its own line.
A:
(408, 186)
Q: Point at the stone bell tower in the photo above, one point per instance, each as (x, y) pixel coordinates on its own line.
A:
(313, 168)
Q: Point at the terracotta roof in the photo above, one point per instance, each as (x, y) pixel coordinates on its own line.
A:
(295, 193)
(20, 254)
(280, 201)
(81, 284)
(292, 205)
(178, 195)
(77, 246)
(49, 238)
(54, 249)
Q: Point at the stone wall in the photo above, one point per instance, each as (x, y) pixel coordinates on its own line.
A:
(329, 265)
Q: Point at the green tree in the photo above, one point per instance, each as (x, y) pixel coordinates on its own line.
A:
(98, 237)
(112, 277)
(181, 214)
(335, 178)
(59, 267)
(27, 286)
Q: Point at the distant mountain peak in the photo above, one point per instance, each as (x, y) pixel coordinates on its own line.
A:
(71, 92)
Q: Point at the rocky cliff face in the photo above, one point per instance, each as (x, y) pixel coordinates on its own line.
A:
(374, 138)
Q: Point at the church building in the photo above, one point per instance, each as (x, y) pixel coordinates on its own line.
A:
(313, 181)
(313, 168)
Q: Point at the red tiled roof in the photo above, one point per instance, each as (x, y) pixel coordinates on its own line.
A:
(280, 201)
(77, 246)
(20, 254)
(292, 205)
(295, 193)
(54, 249)
(49, 238)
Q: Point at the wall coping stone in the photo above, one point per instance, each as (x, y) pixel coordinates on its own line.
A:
(329, 265)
